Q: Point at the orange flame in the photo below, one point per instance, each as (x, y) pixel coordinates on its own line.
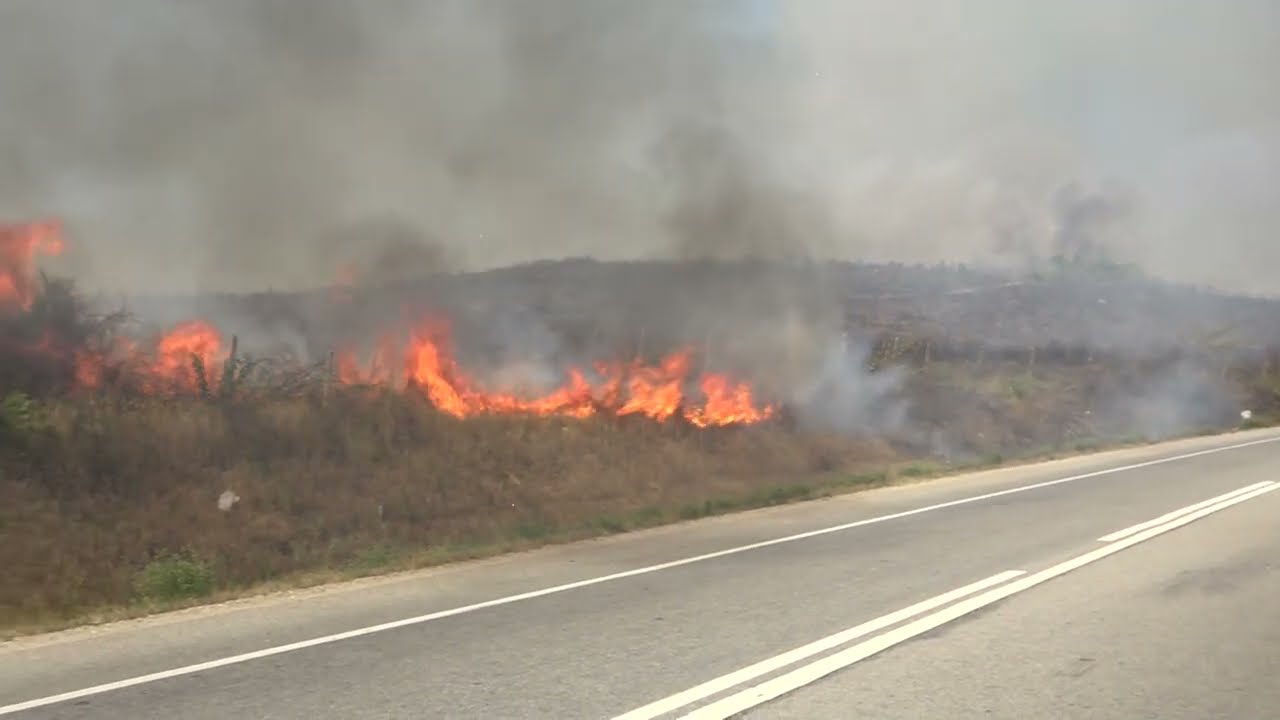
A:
(167, 369)
(727, 403)
(379, 370)
(172, 366)
(654, 391)
(660, 392)
(18, 246)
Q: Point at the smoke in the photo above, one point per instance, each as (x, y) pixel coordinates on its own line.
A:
(213, 145)
(246, 145)
(1085, 231)
(840, 394)
(1178, 400)
(722, 205)
(943, 130)
(383, 250)
(224, 144)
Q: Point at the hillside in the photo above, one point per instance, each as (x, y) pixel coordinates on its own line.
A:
(1105, 310)
(231, 441)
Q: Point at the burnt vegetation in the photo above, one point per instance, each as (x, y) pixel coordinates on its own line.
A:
(267, 467)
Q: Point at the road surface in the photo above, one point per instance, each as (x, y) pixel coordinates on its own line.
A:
(1133, 584)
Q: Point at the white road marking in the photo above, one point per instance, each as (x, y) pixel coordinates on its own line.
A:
(1135, 529)
(788, 682)
(791, 657)
(372, 629)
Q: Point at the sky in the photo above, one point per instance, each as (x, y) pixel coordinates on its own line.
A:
(246, 144)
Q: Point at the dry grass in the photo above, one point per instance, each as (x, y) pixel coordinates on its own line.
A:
(113, 502)
(104, 488)
(109, 504)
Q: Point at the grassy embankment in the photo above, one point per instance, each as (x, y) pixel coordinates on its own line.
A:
(109, 502)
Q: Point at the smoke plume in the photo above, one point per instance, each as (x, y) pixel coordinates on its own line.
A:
(230, 144)
(254, 145)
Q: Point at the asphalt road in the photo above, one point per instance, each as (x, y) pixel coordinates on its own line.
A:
(1006, 594)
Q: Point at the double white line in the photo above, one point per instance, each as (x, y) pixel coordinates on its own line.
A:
(992, 589)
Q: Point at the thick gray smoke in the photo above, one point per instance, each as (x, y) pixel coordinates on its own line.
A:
(245, 145)
(1086, 223)
(236, 144)
(239, 144)
(939, 130)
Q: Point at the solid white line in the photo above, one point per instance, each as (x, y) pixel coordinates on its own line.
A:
(1134, 529)
(338, 637)
(777, 662)
(783, 684)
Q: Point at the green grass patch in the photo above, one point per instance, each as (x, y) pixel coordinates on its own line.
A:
(779, 495)
(372, 559)
(867, 479)
(919, 470)
(175, 577)
(707, 508)
(534, 530)
(609, 525)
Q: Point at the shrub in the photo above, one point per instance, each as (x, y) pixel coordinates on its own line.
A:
(175, 577)
(20, 419)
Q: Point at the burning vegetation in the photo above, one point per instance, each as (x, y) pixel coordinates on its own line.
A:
(659, 392)
(194, 358)
(19, 245)
(396, 450)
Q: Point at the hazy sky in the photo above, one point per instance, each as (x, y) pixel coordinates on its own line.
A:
(206, 144)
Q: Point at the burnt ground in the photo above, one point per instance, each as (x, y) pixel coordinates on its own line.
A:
(584, 301)
(112, 500)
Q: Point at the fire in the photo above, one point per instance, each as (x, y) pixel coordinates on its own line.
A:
(727, 403)
(659, 392)
(189, 358)
(378, 372)
(431, 367)
(19, 245)
(173, 365)
(169, 367)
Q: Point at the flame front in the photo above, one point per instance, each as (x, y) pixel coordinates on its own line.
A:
(189, 359)
(19, 245)
(658, 392)
(173, 366)
(168, 368)
(727, 403)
